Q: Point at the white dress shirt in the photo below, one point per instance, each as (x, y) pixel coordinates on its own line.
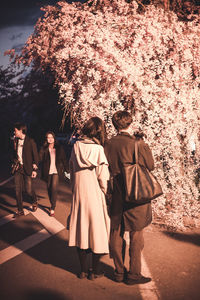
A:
(52, 169)
(19, 150)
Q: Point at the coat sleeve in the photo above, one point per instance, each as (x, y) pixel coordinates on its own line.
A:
(41, 155)
(108, 156)
(35, 153)
(71, 171)
(102, 170)
(103, 177)
(145, 156)
(13, 152)
(64, 160)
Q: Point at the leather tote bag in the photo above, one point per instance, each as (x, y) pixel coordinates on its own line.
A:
(141, 185)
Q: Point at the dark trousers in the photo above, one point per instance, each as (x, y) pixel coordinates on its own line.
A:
(135, 250)
(23, 182)
(52, 186)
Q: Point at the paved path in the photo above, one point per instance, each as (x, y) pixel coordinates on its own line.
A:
(35, 262)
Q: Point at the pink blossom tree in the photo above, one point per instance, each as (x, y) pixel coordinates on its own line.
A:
(105, 56)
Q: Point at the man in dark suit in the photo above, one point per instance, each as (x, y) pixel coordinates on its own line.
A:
(126, 216)
(25, 152)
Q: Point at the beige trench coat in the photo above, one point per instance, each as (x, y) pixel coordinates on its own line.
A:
(89, 225)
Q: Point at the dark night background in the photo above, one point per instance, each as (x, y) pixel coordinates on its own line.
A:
(24, 12)
(36, 103)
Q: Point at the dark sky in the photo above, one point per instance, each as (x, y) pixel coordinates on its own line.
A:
(21, 12)
(17, 18)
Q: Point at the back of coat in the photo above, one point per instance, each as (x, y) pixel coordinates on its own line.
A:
(120, 150)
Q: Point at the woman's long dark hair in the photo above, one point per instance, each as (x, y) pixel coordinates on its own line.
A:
(95, 129)
(46, 145)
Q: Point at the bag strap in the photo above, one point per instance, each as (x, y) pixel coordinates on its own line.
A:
(136, 152)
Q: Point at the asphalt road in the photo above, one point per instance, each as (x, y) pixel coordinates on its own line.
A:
(36, 263)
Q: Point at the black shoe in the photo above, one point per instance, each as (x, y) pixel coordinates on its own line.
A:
(18, 214)
(93, 276)
(82, 275)
(142, 280)
(99, 275)
(120, 277)
(34, 207)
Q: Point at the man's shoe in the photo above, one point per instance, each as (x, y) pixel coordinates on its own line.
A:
(99, 275)
(142, 280)
(34, 207)
(18, 214)
(82, 275)
(120, 277)
(93, 276)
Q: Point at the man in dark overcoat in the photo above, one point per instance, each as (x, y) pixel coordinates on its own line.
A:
(26, 154)
(126, 216)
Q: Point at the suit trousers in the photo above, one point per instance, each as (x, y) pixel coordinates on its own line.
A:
(117, 250)
(23, 181)
(52, 186)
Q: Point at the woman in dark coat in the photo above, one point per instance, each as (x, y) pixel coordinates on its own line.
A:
(53, 160)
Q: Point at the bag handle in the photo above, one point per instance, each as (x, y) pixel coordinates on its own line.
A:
(136, 152)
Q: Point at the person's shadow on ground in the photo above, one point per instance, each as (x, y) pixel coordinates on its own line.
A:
(193, 238)
(54, 250)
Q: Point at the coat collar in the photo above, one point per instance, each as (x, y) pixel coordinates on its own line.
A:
(124, 133)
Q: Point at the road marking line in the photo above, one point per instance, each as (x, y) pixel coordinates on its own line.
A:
(147, 290)
(50, 223)
(5, 181)
(19, 247)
